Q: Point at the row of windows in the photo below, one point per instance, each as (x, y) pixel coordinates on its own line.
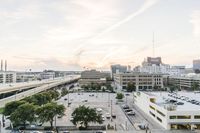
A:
(160, 113)
(160, 120)
(184, 117)
(180, 117)
(152, 107)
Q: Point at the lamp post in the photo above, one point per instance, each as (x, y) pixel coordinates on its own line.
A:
(108, 99)
(68, 99)
(111, 109)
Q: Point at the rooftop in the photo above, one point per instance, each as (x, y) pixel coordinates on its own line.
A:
(184, 101)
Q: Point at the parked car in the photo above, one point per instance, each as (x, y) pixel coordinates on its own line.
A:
(65, 132)
(35, 132)
(108, 116)
(114, 116)
(49, 132)
(128, 110)
(125, 106)
(131, 113)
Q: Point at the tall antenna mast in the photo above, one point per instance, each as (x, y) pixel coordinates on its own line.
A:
(153, 45)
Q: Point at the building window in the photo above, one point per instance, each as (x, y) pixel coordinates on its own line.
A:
(197, 117)
(159, 119)
(151, 107)
(152, 114)
(153, 100)
(172, 117)
(161, 113)
(184, 117)
(180, 117)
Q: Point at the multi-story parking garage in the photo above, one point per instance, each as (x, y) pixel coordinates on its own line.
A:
(171, 110)
(182, 82)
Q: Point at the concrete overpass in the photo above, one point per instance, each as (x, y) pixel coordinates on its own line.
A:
(36, 88)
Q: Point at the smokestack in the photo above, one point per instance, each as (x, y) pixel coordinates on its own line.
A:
(1, 65)
(5, 65)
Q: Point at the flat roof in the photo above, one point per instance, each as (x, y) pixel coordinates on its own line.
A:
(184, 101)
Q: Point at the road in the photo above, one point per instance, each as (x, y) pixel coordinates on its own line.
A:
(33, 91)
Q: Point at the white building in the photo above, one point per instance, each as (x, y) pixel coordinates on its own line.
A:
(171, 110)
(48, 74)
(142, 81)
(155, 65)
(27, 76)
(7, 77)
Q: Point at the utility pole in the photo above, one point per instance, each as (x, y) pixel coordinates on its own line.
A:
(108, 99)
(126, 100)
(111, 109)
(68, 99)
(55, 122)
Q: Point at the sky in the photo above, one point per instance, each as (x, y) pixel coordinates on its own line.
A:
(94, 34)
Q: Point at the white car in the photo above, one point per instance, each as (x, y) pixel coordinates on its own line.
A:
(71, 118)
(99, 110)
(108, 115)
(131, 113)
(35, 132)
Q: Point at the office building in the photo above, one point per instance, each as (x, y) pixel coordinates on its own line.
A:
(117, 69)
(7, 77)
(27, 76)
(48, 74)
(142, 81)
(155, 65)
(93, 76)
(196, 64)
(172, 111)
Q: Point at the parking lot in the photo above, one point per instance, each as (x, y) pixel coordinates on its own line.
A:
(102, 101)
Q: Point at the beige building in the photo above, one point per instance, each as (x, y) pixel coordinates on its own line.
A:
(93, 76)
(142, 81)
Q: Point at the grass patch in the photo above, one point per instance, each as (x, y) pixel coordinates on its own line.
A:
(1, 110)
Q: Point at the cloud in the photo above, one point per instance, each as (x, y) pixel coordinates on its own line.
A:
(146, 5)
(195, 20)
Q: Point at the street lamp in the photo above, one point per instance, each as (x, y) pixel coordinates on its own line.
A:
(108, 99)
(68, 100)
(111, 109)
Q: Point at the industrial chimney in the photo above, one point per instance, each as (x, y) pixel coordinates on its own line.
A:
(5, 65)
(1, 65)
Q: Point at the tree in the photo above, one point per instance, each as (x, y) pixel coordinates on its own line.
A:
(24, 113)
(195, 86)
(64, 92)
(130, 87)
(54, 94)
(84, 115)
(11, 107)
(47, 112)
(120, 96)
(40, 98)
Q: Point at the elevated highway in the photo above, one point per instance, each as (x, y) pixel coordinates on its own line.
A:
(36, 87)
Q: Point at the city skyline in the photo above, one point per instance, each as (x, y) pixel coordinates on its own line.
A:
(71, 35)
